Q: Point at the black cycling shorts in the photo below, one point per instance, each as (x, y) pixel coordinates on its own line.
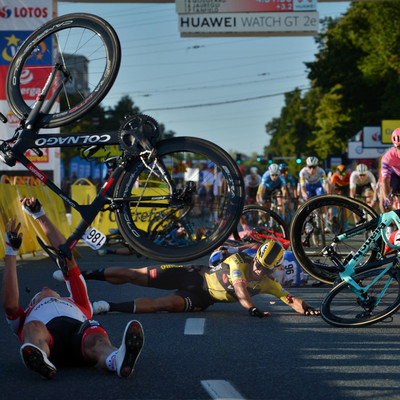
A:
(67, 334)
(188, 281)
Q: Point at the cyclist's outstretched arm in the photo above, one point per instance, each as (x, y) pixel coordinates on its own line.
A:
(33, 207)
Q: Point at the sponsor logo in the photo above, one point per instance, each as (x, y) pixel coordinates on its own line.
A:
(153, 273)
(236, 273)
(71, 140)
(24, 12)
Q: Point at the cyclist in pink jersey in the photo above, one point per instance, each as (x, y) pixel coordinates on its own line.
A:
(389, 178)
(54, 330)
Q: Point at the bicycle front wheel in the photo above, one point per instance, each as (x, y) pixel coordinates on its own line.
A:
(262, 224)
(212, 197)
(88, 50)
(318, 222)
(343, 308)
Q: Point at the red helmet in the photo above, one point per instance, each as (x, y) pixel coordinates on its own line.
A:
(396, 137)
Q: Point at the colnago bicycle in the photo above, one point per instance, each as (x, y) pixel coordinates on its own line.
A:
(151, 180)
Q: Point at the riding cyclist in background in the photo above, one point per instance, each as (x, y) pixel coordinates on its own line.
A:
(251, 183)
(389, 177)
(363, 185)
(273, 185)
(311, 179)
(339, 183)
(291, 185)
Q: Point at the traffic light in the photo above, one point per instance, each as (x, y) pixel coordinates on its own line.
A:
(270, 158)
(298, 158)
(239, 157)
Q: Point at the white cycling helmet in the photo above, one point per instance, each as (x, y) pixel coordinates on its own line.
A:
(273, 169)
(253, 170)
(362, 168)
(312, 161)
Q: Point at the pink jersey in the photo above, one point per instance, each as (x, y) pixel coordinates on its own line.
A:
(390, 160)
(77, 306)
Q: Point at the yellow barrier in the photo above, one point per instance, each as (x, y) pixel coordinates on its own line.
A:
(10, 207)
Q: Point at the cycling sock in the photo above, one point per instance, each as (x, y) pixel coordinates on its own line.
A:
(97, 275)
(110, 361)
(126, 307)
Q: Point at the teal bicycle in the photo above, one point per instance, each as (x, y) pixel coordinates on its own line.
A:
(366, 288)
(367, 293)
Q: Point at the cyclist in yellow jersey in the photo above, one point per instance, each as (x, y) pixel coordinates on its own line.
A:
(236, 279)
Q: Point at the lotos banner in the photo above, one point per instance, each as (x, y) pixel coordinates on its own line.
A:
(18, 18)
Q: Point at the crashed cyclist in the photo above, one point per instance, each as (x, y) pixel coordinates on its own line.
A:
(236, 279)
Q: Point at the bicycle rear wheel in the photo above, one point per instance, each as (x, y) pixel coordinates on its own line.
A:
(316, 224)
(343, 308)
(86, 46)
(169, 231)
(262, 224)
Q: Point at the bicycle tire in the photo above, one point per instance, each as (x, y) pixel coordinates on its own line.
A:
(342, 308)
(80, 39)
(310, 255)
(257, 216)
(133, 221)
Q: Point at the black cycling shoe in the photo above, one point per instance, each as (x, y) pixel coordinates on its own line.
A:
(36, 360)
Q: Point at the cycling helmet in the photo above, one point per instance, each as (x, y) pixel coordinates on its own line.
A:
(273, 169)
(362, 168)
(312, 161)
(341, 169)
(283, 167)
(270, 255)
(253, 170)
(396, 137)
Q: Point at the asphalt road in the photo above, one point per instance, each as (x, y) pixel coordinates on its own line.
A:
(286, 356)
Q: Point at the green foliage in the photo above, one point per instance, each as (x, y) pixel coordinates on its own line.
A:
(355, 81)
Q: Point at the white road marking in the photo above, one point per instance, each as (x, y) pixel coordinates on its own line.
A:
(221, 390)
(194, 326)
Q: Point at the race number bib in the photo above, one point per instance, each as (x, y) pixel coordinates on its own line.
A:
(94, 238)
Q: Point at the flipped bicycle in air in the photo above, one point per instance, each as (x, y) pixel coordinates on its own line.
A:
(144, 185)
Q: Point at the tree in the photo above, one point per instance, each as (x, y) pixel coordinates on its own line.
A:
(355, 81)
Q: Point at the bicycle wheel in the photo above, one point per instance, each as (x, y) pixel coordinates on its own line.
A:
(314, 227)
(343, 308)
(158, 227)
(86, 46)
(262, 222)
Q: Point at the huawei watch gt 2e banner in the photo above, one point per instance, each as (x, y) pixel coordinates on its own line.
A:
(18, 18)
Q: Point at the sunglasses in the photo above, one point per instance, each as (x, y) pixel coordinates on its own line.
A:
(397, 146)
(361, 174)
(342, 173)
(274, 175)
(311, 166)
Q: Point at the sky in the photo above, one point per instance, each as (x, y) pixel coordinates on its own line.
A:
(221, 89)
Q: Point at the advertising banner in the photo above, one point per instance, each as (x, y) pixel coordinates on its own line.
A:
(217, 6)
(356, 151)
(242, 23)
(372, 137)
(388, 126)
(18, 18)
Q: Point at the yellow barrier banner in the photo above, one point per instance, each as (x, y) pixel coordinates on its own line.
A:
(10, 207)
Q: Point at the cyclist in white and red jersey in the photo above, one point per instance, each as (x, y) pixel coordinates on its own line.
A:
(54, 330)
(363, 185)
(389, 177)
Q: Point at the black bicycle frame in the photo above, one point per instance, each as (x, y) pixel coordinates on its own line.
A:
(30, 139)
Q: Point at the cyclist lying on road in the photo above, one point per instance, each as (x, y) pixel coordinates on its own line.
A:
(57, 331)
(236, 279)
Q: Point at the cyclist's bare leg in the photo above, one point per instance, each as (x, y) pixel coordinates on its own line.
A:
(171, 303)
(119, 276)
